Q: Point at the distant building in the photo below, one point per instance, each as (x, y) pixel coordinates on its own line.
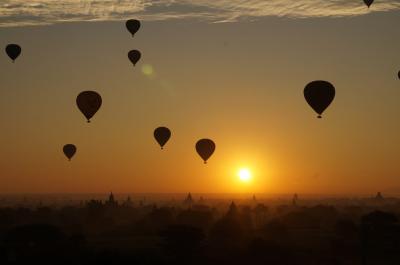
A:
(233, 210)
(295, 199)
(128, 202)
(111, 198)
(189, 200)
(111, 201)
(201, 200)
(379, 196)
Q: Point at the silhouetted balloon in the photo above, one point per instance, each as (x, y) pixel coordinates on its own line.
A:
(89, 102)
(368, 2)
(133, 26)
(69, 150)
(205, 148)
(319, 95)
(134, 56)
(162, 135)
(13, 51)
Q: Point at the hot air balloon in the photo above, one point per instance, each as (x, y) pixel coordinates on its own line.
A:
(89, 102)
(134, 56)
(162, 135)
(205, 148)
(133, 26)
(319, 95)
(368, 2)
(69, 151)
(13, 51)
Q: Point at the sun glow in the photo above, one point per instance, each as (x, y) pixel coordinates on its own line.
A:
(244, 174)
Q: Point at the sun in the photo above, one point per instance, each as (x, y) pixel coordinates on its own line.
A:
(244, 174)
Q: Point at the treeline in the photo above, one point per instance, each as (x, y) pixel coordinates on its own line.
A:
(109, 233)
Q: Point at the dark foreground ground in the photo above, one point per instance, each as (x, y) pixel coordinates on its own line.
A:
(252, 232)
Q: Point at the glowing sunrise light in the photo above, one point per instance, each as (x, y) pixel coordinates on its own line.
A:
(244, 174)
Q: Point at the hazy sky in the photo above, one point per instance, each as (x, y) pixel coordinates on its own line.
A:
(232, 71)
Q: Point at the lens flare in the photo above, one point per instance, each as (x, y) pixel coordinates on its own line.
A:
(147, 69)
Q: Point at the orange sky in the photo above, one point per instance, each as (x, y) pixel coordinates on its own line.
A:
(238, 83)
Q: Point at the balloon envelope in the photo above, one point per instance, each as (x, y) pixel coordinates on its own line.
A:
(134, 56)
(205, 148)
(69, 150)
(133, 26)
(368, 2)
(162, 135)
(13, 51)
(89, 102)
(319, 95)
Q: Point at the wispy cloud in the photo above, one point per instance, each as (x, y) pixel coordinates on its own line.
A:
(42, 12)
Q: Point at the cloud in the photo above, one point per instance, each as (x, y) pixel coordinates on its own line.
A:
(42, 12)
